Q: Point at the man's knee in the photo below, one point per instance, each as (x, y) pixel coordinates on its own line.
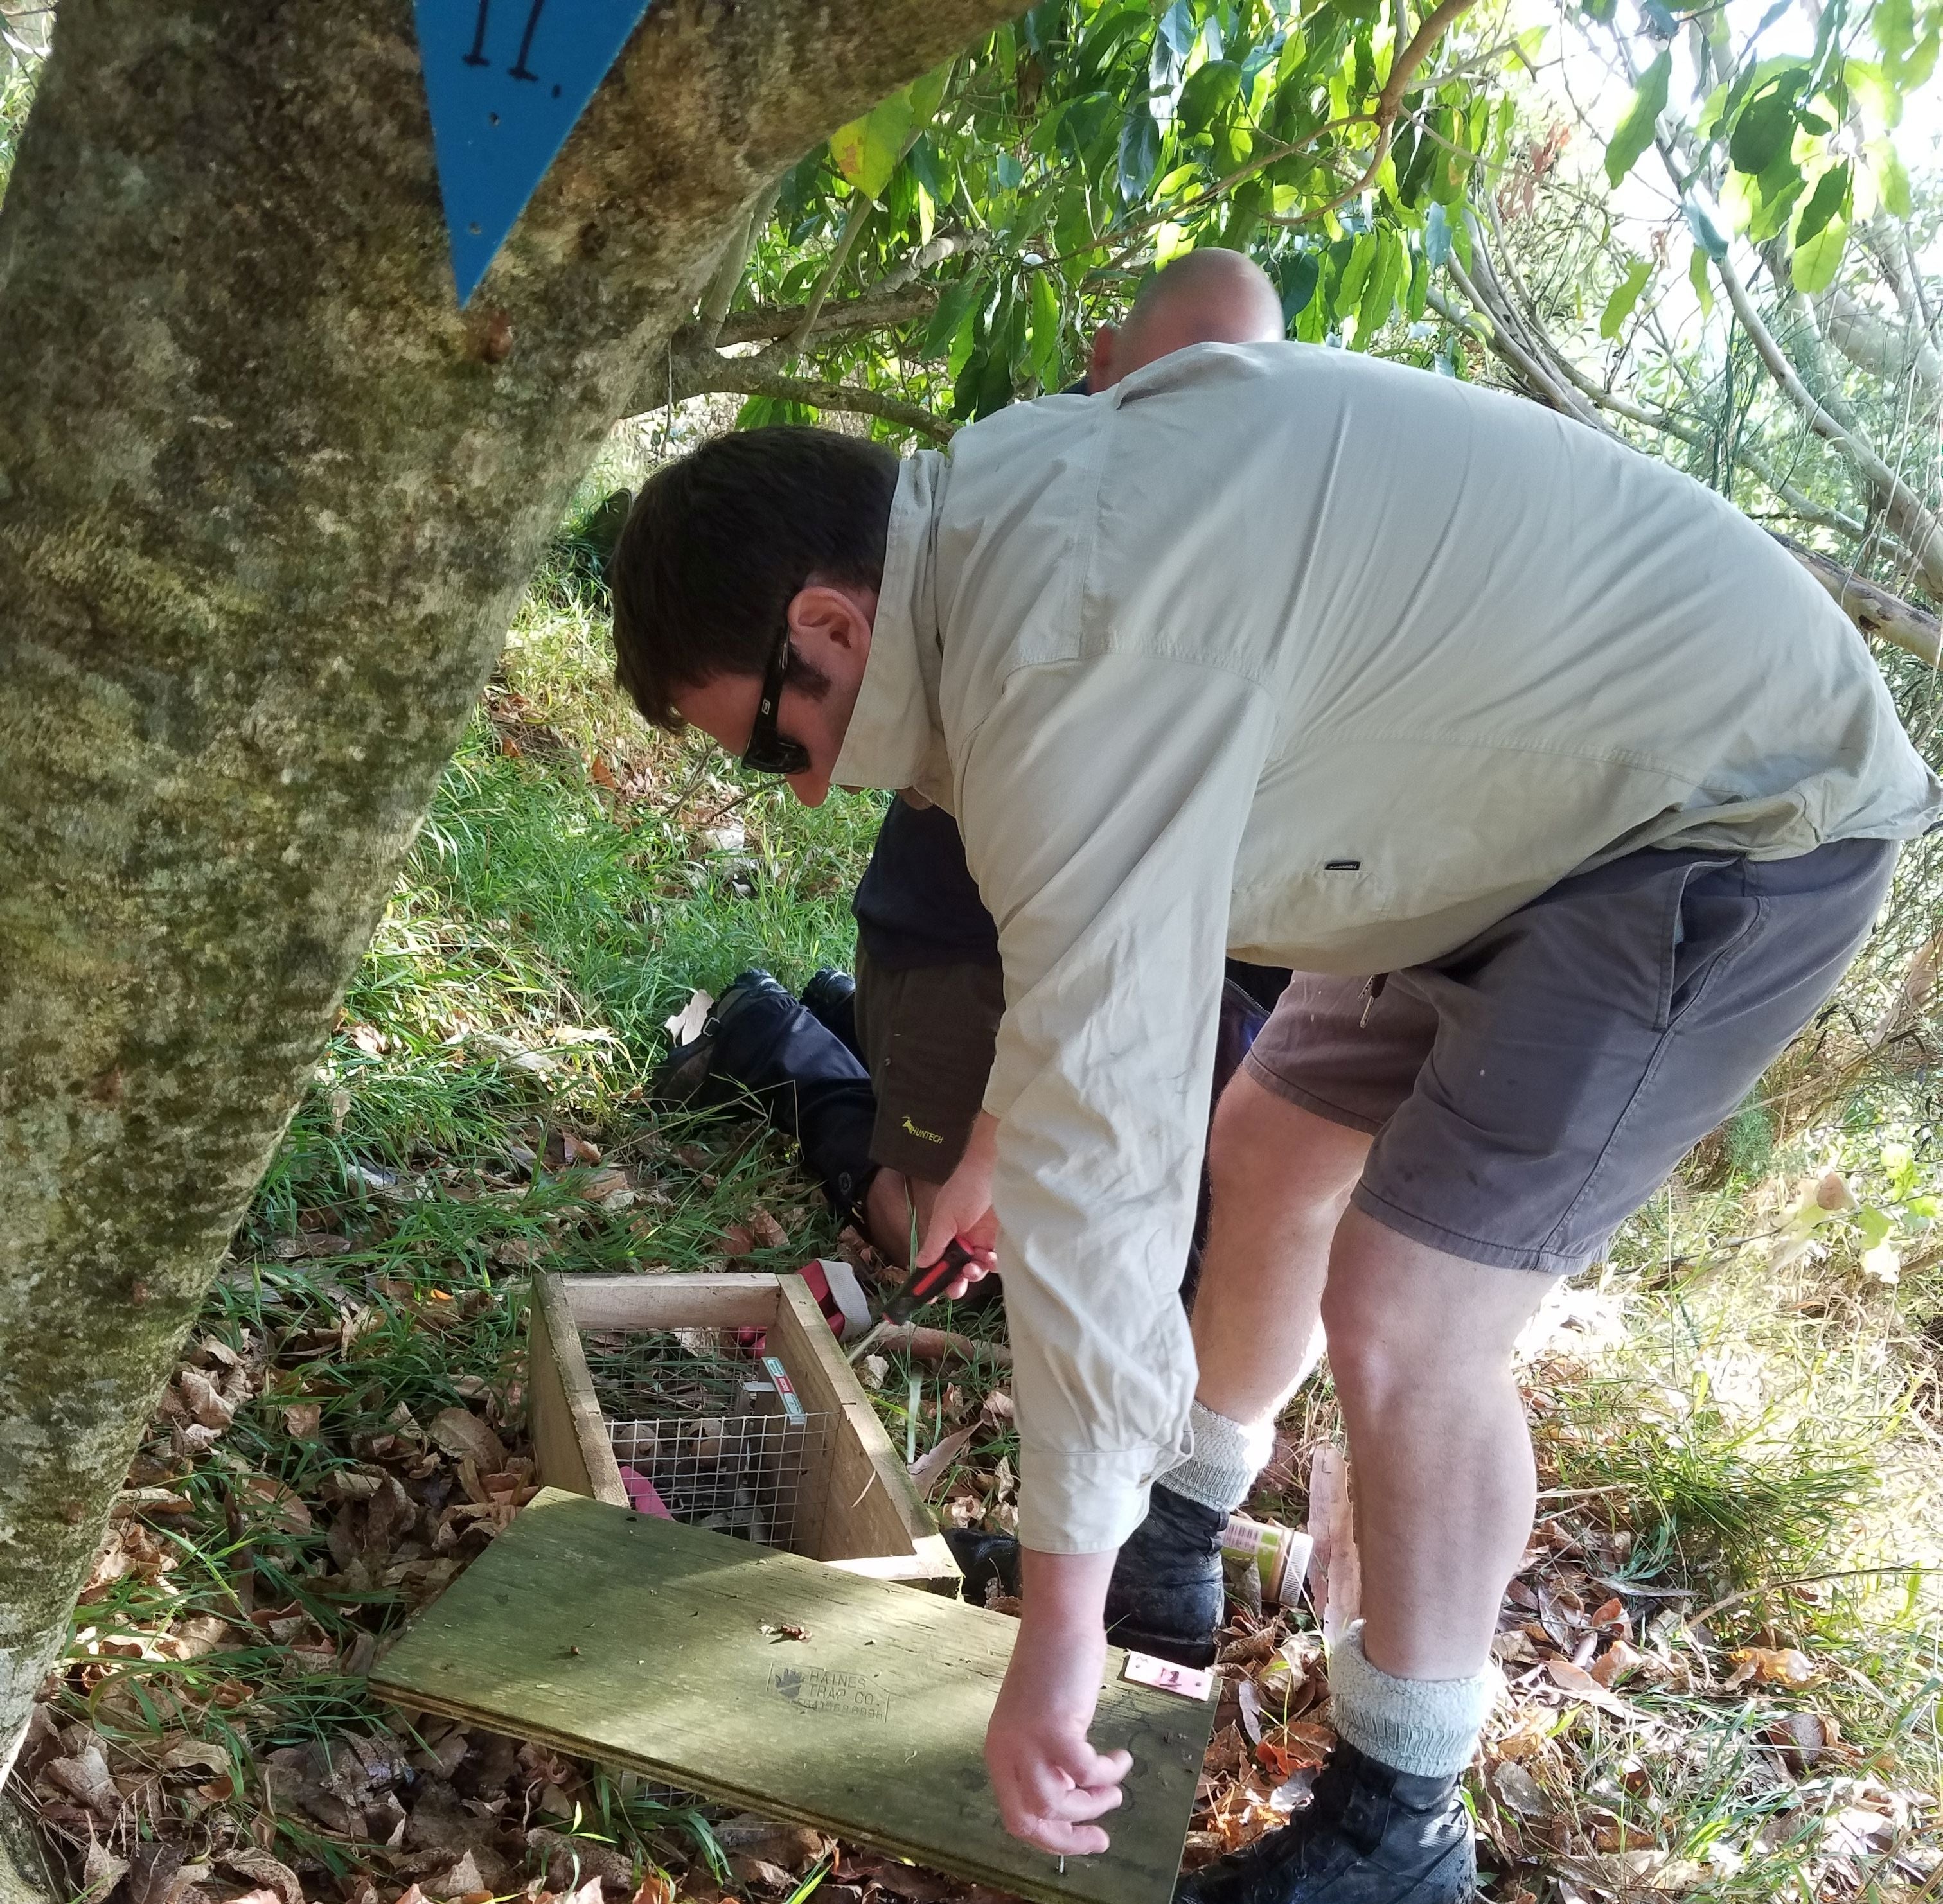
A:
(1264, 1148)
(1403, 1320)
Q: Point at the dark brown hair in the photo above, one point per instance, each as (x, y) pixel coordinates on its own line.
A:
(718, 543)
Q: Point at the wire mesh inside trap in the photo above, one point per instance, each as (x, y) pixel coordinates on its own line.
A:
(716, 1431)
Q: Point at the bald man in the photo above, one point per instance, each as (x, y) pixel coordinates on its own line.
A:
(924, 1017)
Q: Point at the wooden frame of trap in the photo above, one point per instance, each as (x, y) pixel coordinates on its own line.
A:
(860, 1510)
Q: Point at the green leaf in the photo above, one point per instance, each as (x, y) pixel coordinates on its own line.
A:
(1437, 237)
(1636, 129)
(1776, 191)
(1619, 306)
(952, 309)
(867, 151)
(1702, 279)
(1891, 181)
(1814, 265)
(1380, 290)
(1830, 200)
(1880, 103)
(1355, 275)
(1764, 129)
(1139, 156)
(1706, 233)
(1209, 89)
(1045, 351)
(1297, 278)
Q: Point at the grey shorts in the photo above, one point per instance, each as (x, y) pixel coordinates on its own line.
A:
(1531, 1090)
(929, 1033)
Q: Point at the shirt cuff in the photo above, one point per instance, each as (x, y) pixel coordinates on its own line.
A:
(1086, 1503)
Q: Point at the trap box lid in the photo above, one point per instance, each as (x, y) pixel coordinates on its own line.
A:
(776, 1683)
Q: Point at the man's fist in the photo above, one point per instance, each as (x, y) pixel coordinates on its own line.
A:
(1049, 1782)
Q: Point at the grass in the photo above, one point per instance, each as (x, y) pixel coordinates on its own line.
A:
(1737, 1420)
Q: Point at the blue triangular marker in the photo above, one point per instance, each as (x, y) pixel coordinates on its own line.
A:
(505, 80)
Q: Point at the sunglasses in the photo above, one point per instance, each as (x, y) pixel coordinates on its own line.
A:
(768, 751)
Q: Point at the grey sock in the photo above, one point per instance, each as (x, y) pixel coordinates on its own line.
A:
(1227, 1457)
(1426, 1727)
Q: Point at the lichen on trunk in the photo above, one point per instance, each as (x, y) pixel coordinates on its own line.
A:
(268, 499)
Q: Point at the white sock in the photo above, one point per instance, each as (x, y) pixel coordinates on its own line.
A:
(1426, 1727)
(1227, 1457)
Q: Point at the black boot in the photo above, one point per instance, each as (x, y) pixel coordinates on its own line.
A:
(1166, 1595)
(760, 1044)
(1371, 1834)
(831, 998)
(986, 1561)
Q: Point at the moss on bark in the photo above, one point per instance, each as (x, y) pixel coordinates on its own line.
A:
(267, 500)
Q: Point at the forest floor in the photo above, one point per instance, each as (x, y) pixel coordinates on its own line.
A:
(1723, 1646)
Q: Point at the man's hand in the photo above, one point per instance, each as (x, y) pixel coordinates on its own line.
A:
(1049, 1781)
(962, 1208)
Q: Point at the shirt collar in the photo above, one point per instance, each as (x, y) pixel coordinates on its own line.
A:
(893, 740)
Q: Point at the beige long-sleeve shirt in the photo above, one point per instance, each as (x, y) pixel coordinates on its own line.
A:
(1328, 663)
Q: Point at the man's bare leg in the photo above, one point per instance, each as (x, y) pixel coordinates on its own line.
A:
(1420, 1345)
(1279, 1176)
(889, 1207)
(1280, 1179)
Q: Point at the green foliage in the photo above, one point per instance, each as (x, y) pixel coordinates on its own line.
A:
(1619, 306)
(1636, 129)
(1090, 140)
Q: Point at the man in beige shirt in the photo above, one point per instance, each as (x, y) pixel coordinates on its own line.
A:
(1335, 664)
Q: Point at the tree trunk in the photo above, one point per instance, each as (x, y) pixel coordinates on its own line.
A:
(267, 502)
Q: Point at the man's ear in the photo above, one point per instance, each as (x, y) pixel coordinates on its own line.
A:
(830, 619)
(1100, 362)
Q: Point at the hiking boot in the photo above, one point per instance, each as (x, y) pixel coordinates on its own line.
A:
(1371, 1834)
(761, 1049)
(989, 1562)
(1166, 1596)
(831, 998)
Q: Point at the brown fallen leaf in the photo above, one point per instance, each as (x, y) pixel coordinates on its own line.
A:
(84, 1778)
(101, 1871)
(1612, 1665)
(1576, 1683)
(202, 1399)
(284, 1507)
(748, 1869)
(303, 1421)
(1519, 1789)
(1784, 1665)
(460, 1433)
(932, 1467)
(278, 1880)
(196, 1755)
(796, 1848)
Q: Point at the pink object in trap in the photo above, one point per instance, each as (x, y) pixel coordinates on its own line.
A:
(641, 1494)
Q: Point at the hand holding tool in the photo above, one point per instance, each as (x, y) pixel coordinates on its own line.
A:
(919, 1288)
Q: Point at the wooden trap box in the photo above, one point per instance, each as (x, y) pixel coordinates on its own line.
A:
(806, 1692)
(643, 1370)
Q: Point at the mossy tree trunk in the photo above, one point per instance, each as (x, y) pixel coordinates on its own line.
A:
(267, 502)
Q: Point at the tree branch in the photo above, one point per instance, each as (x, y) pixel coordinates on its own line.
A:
(875, 309)
(1915, 526)
(1875, 610)
(703, 373)
(721, 287)
(1389, 102)
(853, 227)
(1547, 374)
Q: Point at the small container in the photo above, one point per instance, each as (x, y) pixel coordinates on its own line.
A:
(1278, 1557)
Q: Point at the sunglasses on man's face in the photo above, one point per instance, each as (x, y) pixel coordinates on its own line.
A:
(768, 751)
